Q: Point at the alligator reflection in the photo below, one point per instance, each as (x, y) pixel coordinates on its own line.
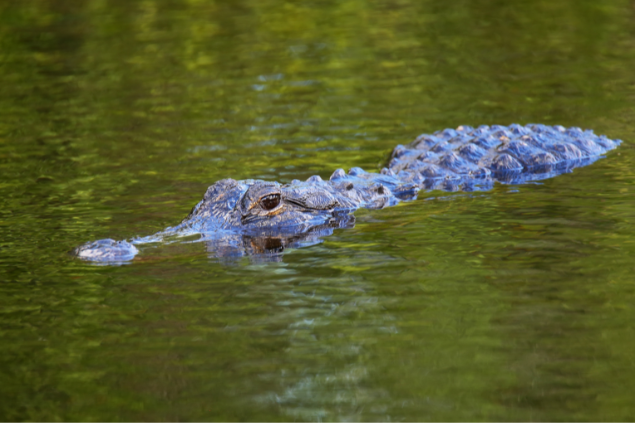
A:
(327, 329)
(270, 247)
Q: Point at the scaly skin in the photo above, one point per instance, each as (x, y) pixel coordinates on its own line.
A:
(253, 217)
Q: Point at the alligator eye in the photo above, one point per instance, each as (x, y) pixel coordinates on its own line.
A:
(350, 186)
(270, 202)
(381, 190)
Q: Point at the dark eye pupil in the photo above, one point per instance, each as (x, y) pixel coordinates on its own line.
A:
(270, 202)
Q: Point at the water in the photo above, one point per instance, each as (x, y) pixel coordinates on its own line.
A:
(513, 304)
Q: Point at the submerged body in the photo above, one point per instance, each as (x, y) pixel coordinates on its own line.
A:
(252, 216)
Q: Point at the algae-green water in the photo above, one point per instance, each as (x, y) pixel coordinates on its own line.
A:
(115, 116)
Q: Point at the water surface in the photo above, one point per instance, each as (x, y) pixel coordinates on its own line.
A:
(115, 116)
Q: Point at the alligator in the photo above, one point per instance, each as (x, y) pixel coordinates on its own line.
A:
(253, 217)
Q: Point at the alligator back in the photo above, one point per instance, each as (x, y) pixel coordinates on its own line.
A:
(469, 158)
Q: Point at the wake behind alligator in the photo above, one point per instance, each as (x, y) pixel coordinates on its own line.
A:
(253, 217)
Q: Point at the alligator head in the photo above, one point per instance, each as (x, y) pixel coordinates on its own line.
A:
(259, 207)
(267, 213)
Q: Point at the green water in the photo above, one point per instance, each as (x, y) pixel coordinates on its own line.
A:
(115, 116)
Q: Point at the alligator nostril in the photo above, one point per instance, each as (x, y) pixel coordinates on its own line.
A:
(350, 186)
